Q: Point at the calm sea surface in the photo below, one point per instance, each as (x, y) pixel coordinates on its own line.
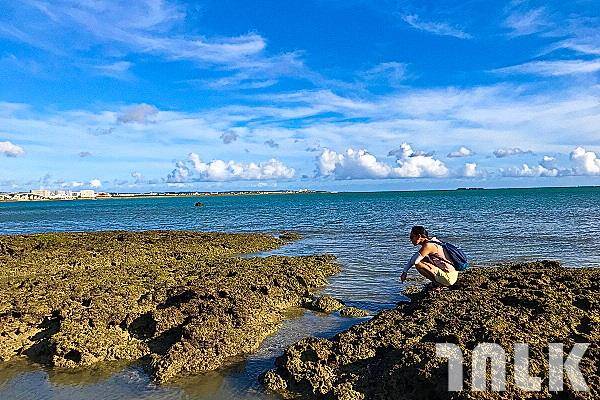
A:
(368, 232)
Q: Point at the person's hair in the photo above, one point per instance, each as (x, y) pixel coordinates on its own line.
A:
(419, 231)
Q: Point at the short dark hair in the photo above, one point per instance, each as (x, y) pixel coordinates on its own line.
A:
(419, 231)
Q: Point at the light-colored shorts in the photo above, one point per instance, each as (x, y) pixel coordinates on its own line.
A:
(445, 278)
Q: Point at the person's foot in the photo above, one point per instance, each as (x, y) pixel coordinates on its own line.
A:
(434, 287)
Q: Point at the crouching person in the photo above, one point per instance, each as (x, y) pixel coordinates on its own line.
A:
(437, 261)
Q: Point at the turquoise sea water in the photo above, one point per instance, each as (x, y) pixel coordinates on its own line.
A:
(368, 232)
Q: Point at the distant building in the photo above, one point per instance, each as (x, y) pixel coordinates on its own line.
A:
(87, 194)
(41, 192)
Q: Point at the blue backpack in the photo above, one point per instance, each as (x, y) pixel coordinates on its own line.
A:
(457, 256)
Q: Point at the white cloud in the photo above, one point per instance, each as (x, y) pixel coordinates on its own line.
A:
(583, 163)
(152, 27)
(195, 170)
(413, 164)
(508, 152)
(522, 23)
(461, 152)
(392, 72)
(72, 184)
(11, 150)
(140, 113)
(117, 70)
(8, 109)
(470, 171)
(548, 162)
(95, 183)
(586, 162)
(437, 28)
(526, 171)
(554, 121)
(353, 164)
(360, 164)
(553, 68)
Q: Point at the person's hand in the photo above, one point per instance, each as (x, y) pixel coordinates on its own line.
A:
(403, 277)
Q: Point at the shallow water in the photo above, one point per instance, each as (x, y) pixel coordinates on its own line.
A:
(368, 232)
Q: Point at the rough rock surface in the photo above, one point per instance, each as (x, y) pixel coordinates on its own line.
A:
(325, 304)
(392, 356)
(353, 312)
(182, 301)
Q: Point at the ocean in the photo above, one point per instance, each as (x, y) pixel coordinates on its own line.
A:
(368, 232)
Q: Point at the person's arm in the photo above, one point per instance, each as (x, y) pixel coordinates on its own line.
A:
(415, 259)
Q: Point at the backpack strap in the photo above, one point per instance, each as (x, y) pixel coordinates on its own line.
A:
(438, 256)
(436, 242)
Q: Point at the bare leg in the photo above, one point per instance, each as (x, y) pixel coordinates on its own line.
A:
(427, 270)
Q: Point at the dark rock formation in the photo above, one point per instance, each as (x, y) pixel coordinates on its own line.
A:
(392, 356)
(353, 312)
(182, 301)
(324, 304)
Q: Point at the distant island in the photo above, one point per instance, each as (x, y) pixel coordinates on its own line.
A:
(89, 194)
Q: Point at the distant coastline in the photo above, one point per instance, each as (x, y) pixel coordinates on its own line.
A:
(47, 195)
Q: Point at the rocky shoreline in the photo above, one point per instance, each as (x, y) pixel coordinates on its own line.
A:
(392, 356)
(183, 302)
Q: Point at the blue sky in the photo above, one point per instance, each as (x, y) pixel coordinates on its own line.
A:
(335, 95)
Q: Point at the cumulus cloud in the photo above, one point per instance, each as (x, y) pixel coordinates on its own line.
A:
(360, 164)
(140, 113)
(507, 152)
(401, 152)
(195, 170)
(353, 164)
(229, 137)
(526, 171)
(461, 152)
(583, 163)
(95, 183)
(11, 150)
(470, 171)
(586, 162)
(548, 162)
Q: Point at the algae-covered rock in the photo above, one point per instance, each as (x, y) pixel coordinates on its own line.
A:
(353, 312)
(183, 301)
(393, 355)
(325, 304)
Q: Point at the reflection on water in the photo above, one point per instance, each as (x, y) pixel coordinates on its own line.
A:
(368, 232)
(22, 380)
